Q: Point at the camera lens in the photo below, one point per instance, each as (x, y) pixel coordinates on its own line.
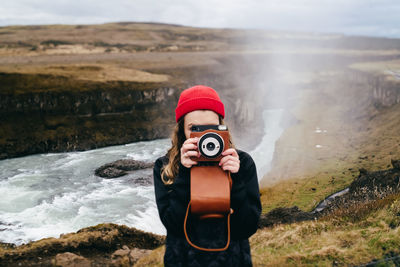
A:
(210, 146)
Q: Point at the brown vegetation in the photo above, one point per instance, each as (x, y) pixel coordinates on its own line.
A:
(96, 243)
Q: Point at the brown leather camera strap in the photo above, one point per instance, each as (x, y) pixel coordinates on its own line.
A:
(210, 189)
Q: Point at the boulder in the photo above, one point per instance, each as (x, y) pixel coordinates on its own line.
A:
(127, 257)
(69, 259)
(121, 257)
(136, 253)
(111, 172)
(121, 167)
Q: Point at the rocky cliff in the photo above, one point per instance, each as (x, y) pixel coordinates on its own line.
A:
(57, 114)
(386, 92)
(47, 113)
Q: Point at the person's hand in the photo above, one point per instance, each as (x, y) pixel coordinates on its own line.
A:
(230, 161)
(189, 149)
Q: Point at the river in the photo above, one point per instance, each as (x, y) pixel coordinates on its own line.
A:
(45, 195)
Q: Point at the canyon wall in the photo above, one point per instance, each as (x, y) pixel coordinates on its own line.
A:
(386, 91)
(39, 121)
(44, 113)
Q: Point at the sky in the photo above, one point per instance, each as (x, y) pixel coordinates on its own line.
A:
(351, 17)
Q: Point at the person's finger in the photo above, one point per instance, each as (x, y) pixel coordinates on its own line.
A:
(226, 158)
(231, 163)
(230, 151)
(188, 147)
(189, 162)
(230, 168)
(193, 140)
(192, 153)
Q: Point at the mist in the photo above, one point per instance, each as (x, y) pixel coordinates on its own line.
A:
(320, 83)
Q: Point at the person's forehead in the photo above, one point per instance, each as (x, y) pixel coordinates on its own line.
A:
(201, 117)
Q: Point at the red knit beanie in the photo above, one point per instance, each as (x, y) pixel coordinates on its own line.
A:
(199, 97)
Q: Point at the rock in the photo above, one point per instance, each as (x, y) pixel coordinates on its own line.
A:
(102, 114)
(7, 245)
(144, 180)
(121, 167)
(378, 181)
(137, 253)
(111, 172)
(284, 215)
(131, 165)
(127, 257)
(69, 259)
(120, 257)
(367, 186)
(120, 252)
(396, 164)
(121, 262)
(100, 239)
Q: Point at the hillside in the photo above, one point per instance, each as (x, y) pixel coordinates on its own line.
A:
(353, 115)
(62, 87)
(359, 234)
(344, 123)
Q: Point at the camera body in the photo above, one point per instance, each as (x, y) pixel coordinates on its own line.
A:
(213, 140)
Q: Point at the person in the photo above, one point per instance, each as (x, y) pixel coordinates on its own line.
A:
(201, 105)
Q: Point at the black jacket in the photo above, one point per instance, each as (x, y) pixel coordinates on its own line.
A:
(172, 201)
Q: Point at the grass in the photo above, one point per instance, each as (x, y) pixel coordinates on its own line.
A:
(304, 193)
(88, 72)
(353, 235)
(368, 231)
(155, 258)
(383, 67)
(13, 83)
(358, 135)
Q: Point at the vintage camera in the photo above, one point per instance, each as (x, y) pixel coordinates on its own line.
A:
(213, 140)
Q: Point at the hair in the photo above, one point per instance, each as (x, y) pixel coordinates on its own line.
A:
(170, 171)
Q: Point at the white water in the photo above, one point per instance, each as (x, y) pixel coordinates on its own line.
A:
(324, 203)
(46, 195)
(263, 153)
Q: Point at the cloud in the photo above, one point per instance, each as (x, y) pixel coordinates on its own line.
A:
(357, 17)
